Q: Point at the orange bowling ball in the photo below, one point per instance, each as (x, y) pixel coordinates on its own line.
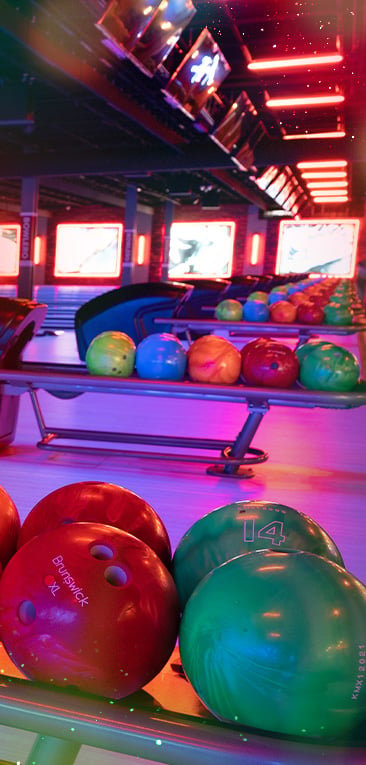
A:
(212, 359)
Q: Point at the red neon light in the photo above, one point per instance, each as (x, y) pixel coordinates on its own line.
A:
(323, 200)
(197, 231)
(255, 249)
(9, 249)
(329, 192)
(324, 174)
(311, 222)
(327, 184)
(323, 163)
(275, 103)
(88, 250)
(37, 251)
(325, 134)
(286, 63)
(141, 243)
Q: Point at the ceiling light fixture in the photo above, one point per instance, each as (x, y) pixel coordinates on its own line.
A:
(327, 184)
(324, 174)
(287, 63)
(283, 103)
(328, 134)
(322, 200)
(327, 192)
(321, 164)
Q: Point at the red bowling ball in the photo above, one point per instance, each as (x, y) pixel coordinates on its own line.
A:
(89, 606)
(9, 528)
(98, 502)
(310, 313)
(272, 365)
(258, 343)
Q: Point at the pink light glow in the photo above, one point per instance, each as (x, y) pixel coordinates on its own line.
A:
(324, 174)
(325, 134)
(141, 244)
(255, 249)
(297, 61)
(37, 251)
(283, 103)
(324, 200)
(321, 164)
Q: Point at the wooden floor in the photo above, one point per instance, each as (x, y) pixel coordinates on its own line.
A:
(317, 465)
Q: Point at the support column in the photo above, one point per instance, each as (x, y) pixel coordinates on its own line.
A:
(168, 220)
(28, 214)
(129, 236)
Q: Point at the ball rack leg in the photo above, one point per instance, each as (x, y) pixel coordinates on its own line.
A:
(47, 750)
(241, 446)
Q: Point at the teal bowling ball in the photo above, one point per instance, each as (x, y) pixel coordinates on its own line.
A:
(338, 314)
(303, 349)
(229, 310)
(330, 368)
(276, 641)
(161, 356)
(242, 527)
(112, 354)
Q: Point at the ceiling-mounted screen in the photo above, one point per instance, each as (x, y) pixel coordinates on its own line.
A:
(232, 128)
(201, 249)
(320, 246)
(9, 249)
(198, 76)
(124, 21)
(163, 32)
(86, 250)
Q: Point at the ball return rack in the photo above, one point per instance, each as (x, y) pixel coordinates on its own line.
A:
(69, 381)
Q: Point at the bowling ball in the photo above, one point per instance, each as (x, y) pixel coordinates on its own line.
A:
(273, 365)
(309, 313)
(276, 641)
(229, 310)
(283, 312)
(258, 295)
(98, 502)
(255, 310)
(275, 297)
(212, 359)
(338, 314)
(258, 343)
(296, 298)
(330, 368)
(111, 353)
(90, 606)
(9, 527)
(243, 527)
(161, 356)
(305, 348)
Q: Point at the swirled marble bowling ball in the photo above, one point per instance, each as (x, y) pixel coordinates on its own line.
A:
(229, 310)
(89, 606)
(330, 368)
(161, 356)
(273, 365)
(98, 502)
(243, 527)
(112, 354)
(276, 641)
(213, 359)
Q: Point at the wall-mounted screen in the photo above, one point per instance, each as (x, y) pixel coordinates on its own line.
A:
(9, 249)
(201, 249)
(320, 246)
(163, 32)
(86, 250)
(198, 76)
(124, 21)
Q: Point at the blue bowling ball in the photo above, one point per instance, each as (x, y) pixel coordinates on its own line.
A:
(255, 310)
(275, 297)
(161, 356)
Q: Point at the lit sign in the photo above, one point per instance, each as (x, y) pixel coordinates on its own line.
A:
(204, 73)
(201, 249)
(323, 246)
(85, 250)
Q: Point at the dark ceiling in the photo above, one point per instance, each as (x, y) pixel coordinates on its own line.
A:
(88, 122)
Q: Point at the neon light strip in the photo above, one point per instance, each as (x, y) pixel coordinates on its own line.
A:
(275, 103)
(321, 200)
(141, 249)
(327, 192)
(325, 163)
(283, 63)
(300, 136)
(37, 251)
(327, 184)
(325, 174)
(254, 254)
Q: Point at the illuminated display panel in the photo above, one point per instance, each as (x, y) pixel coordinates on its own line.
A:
(201, 249)
(124, 21)
(9, 249)
(163, 32)
(232, 128)
(198, 76)
(277, 185)
(84, 250)
(319, 246)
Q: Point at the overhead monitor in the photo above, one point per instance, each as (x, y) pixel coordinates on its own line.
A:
(198, 75)
(87, 250)
(231, 130)
(161, 35)
(320, 246)
(9, 249)
(201, 249)
(124, 21)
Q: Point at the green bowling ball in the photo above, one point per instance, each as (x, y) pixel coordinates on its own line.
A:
(242, 527)
(330, 368)
(229, 310)
(258, 295)
(112, 354)
(338, 314)
(277, 641)
(305, 348)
